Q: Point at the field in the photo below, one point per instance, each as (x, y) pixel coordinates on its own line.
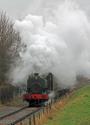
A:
(76, 111)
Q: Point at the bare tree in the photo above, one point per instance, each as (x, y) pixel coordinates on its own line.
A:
(9, 45)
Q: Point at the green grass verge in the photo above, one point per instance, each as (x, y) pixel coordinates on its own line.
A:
(76, 111)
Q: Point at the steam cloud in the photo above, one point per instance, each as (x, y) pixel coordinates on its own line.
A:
(59, 44)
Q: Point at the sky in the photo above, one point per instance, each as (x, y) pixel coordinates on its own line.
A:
(19, 8)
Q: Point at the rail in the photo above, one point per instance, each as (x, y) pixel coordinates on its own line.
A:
(14, 112)
(26, 116)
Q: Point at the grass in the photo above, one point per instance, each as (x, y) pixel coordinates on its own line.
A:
(76, 111)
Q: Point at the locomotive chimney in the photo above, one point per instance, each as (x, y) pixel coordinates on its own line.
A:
(36, 75)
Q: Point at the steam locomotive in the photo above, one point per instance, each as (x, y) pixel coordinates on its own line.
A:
(39, 89)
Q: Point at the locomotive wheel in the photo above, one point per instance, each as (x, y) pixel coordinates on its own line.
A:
(37, 103)
(34, 103)
(29, 104)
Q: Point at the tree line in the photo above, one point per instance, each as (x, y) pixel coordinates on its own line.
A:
(9, 45)
(9, 51)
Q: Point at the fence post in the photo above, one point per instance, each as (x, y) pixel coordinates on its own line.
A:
(49, 106)
(29, 121)
(34, 120)
(20, 123)
(43, 110)
(39, 115)
(47, 109)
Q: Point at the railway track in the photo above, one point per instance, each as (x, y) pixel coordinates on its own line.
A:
(12, 112)
(14, 117)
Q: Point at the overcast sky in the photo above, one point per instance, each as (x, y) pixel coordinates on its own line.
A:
(19, 8)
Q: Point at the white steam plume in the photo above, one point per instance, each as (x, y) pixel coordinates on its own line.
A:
(60, 45)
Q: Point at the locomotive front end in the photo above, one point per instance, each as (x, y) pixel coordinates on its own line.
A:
(37, 90)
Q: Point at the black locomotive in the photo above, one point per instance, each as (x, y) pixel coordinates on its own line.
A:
(39, 89)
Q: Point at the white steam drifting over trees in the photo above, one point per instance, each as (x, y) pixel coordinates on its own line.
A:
(59, 44)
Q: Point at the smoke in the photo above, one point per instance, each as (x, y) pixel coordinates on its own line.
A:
(59, 44)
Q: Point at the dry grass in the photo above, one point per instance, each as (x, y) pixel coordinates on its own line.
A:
(50, 113)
